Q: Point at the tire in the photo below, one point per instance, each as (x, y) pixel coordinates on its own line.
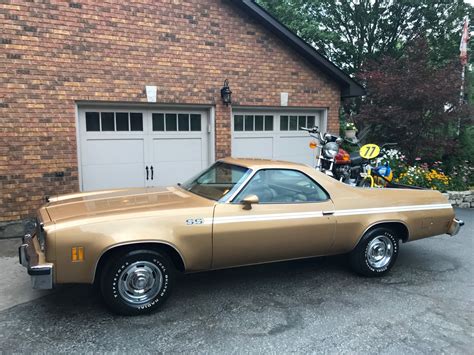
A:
(376, 253)
(365, 183)
(137, 282)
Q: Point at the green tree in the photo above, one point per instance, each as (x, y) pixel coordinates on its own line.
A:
(350, 32)
(413, 103)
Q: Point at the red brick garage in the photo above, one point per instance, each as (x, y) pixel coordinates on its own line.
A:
(64, 60)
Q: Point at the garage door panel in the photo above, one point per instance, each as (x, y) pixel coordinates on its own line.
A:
(113, 151)
(169, 149)
(279, 138)
(253, 147)
(295, 149)
(176, 159)
(170, 172)
(117, 144)
(98, 177)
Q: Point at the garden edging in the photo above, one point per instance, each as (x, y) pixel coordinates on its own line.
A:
(462, 199)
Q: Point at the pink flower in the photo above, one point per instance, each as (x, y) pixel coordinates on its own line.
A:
(417, 158)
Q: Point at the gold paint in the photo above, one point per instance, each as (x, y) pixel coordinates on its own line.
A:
(103, 220)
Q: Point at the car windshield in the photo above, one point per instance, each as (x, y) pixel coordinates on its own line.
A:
(218, 182)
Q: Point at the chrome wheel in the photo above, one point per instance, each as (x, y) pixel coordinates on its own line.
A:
(140, 282)
(379, 252)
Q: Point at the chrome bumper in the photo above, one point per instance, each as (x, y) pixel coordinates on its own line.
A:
(41, 272)
(455, 226)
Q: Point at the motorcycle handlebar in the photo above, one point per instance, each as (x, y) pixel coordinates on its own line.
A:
(310, 130)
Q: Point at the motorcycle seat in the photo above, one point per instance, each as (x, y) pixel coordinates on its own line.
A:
(356, 158)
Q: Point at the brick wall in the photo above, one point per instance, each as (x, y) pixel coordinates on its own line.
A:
(55, 53)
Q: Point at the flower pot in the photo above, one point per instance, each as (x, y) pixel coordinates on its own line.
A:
(350, 133)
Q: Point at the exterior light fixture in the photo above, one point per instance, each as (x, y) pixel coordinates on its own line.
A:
(226, 94)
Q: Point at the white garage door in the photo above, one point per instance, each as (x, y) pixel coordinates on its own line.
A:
(274, 135)
(136, 148)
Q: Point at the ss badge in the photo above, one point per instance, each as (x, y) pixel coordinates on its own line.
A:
(191, 221)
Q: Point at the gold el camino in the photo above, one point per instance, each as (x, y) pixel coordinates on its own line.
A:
(238, 212)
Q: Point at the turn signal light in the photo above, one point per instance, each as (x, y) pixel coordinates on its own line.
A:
(313, 144)
(77, 254)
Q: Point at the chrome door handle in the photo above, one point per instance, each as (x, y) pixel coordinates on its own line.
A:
(146, 168)
(328, 213)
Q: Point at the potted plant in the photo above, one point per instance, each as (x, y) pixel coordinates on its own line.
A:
(350, 130)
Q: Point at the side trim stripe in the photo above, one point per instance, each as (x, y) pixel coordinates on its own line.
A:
(303, 215)
(392, 209)
(267, 217)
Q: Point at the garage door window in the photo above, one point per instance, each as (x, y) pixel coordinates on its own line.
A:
(92, 121)
(253, 123)
(114, 121)
(183, 122)
(294, 123)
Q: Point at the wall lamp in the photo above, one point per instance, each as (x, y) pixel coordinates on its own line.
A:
(226, 93)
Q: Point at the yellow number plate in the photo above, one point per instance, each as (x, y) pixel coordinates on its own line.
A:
(369, 151)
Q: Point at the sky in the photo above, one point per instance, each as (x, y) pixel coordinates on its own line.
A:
(470, 2)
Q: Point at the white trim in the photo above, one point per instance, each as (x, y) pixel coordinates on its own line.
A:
(267, 217)
(324, 122)
(212, 135)
(138, 105)
(303, 215)
(353, 212)
(78, 146)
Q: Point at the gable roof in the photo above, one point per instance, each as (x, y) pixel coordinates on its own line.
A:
(349, 87)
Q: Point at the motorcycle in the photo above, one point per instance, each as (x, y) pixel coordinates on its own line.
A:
(375, 174)
(331, 158)
(353, 169)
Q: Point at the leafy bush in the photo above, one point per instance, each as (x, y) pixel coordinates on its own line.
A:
(459, 164)
(422, 176)
(461, 177)
(413, 103)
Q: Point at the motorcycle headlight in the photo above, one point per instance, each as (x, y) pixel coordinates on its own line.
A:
(330, 150)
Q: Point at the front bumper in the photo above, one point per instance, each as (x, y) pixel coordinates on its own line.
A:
(33, 259)
(455, 226)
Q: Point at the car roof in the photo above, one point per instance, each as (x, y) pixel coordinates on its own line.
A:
(254, 163)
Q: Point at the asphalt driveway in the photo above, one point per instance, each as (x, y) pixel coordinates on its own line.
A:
(425, 305)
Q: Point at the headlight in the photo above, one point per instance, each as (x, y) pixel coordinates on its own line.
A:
(330, 150)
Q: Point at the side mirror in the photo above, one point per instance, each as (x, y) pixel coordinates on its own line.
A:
(249, 200)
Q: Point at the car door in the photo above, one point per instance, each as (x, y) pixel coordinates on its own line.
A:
(293, 219)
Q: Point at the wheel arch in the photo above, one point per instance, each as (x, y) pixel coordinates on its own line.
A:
(174, 254)
(399, 227)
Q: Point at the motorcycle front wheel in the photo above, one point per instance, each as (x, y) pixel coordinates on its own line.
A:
(366, 182)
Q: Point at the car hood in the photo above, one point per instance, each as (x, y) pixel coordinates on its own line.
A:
(100, 203)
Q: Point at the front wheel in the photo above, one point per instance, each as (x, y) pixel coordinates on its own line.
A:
(376, 253)
(366, 182)
(137, 282)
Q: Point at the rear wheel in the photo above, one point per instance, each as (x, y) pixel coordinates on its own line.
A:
(137, 281)
(376, 253)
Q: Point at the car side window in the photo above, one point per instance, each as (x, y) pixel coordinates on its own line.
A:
(282, 186)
